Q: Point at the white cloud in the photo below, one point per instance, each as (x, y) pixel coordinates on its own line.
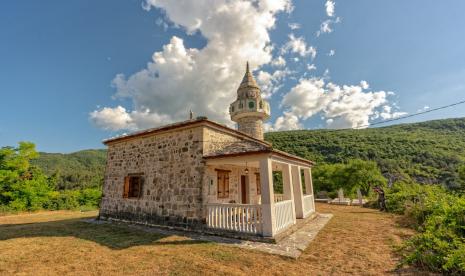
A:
(162, 23)
(119, 118)
(287, 121)
(271, 83)
(331, 53)
(387, 113)
(112, 118)
(330, 5)
(278, 62)
(426, 107)
(311, 67)
(326, 74)
(364, 84)
(294, 26)
(205, 80)
(346, 106)
(299, 46)
(326, 26)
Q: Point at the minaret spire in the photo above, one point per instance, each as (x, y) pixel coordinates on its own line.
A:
(248, 80)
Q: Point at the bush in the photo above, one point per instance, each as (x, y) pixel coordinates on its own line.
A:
(90, 197)
(440, 219)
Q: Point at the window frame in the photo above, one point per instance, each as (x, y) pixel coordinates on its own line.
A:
(251, 104)
(128, 188)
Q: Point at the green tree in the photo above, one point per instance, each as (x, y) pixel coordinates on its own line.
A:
(355, 174)
(362, 174)
(23, 187)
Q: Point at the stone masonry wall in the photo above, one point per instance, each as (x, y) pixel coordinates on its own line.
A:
(252, 126)
(173, 169)
(215, 140)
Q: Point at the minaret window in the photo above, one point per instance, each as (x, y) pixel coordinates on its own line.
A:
(232, 108)
(251, 105)
(261, 104)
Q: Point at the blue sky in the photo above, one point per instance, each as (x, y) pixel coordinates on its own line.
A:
(59, 62)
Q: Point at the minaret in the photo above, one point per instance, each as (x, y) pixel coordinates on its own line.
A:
(249, 110)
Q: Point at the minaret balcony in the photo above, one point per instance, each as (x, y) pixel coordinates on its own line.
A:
(249, 107)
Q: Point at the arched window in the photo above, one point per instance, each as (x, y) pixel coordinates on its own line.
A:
(261, 105)
(241, 105)
(251, 105)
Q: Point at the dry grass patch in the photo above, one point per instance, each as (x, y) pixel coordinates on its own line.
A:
(356, 241)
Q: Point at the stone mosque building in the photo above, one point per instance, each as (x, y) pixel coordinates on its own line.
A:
(203, 176)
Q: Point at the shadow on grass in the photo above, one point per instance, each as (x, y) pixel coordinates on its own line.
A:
(109, 235)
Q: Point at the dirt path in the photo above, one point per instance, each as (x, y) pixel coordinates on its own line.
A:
(356, 241)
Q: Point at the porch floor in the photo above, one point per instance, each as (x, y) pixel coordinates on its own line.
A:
(292, 242)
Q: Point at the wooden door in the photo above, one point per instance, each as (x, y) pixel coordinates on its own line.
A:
(243, 190)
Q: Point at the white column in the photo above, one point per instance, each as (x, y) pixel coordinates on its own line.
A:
(267, 196)
(308, 181)
(298, 194)
(287, 186)
(309, 185)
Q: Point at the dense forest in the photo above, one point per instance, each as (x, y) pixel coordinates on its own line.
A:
(428, 152)
(82, 169)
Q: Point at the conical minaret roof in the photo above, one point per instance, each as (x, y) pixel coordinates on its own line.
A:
(248, 79)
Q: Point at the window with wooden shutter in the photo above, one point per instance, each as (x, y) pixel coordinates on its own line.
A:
(222, 183)
(257, 182)
(133, 186)
(126, 187)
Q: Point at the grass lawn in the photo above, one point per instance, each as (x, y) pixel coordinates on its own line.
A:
(356, 241)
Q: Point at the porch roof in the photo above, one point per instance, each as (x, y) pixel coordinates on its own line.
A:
(268, 150)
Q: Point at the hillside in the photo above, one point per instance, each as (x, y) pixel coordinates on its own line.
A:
(429, 151)
(82, 169)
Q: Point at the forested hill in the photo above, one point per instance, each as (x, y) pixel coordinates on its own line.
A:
(82, 169)
(429, 152)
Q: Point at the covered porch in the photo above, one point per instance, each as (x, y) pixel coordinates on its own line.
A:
(250, 204)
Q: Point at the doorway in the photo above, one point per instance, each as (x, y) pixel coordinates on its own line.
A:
(243, 190)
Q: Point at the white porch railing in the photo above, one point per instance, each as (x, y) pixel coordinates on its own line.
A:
(309, 205)
(284, 214)
(278, 197)
(245, 218)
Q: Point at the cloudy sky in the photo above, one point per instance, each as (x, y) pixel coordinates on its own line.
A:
(75, 72)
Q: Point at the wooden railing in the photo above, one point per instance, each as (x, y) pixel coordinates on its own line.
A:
(284, 214)
(309, 205)
(278, 197)
(245, 218)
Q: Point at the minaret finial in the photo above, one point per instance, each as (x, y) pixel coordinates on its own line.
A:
(247, 67)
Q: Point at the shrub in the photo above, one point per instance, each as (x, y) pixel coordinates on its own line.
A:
(90, 197)
(440, 220)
